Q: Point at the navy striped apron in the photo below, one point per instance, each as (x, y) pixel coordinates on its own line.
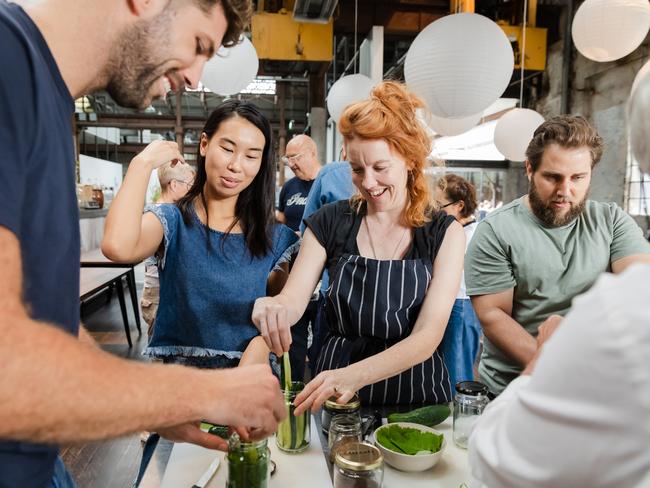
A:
(373, 304)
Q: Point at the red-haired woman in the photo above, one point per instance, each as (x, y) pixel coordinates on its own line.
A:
(394, 261)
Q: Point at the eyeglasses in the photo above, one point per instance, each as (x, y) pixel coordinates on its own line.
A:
(448, 204)
(187, 183)
(290, 159)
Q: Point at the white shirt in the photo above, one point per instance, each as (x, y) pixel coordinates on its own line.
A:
(469, 232)
(583, 418)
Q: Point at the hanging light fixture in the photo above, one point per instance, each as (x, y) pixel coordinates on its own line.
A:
(452, 127)
(515, 129)
(606, 30)
(231, 69)
(638, 122)
(459, 64)
(642, 72)
(346, 91)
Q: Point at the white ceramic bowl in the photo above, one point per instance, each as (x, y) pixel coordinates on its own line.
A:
(406, 462)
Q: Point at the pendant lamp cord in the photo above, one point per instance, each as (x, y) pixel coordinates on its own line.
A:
(356, 57)
(523, 56)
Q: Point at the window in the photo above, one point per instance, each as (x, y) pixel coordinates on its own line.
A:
(637, 198)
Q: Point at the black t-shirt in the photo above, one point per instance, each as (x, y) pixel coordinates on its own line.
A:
(293, 198)
(38, 202)
(333, 223)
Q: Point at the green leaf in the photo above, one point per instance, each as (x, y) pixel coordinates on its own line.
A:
(407, 440)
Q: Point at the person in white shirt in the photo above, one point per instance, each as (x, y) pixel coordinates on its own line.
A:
(583, 417)
(580, 415)
(461, 342)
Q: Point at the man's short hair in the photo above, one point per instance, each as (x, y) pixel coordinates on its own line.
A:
(238, 15)
(180, 172)
(567, 131)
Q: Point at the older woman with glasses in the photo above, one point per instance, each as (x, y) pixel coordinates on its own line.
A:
(394, 262)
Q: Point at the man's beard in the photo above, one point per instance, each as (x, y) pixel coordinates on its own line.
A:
(137, 62)
(549, 216)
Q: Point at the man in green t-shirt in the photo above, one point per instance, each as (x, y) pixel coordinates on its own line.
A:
(528, 259)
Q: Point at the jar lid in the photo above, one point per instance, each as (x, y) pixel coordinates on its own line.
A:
(353, 404)
(358, 456)
(473, 388)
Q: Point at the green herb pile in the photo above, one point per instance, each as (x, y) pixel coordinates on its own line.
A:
(407, 440)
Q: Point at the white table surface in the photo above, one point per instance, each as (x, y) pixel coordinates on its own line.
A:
(309, 468)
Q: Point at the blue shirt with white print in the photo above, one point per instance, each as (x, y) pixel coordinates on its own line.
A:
(206, 298)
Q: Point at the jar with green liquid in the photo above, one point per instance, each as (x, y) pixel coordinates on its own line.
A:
(248, 463)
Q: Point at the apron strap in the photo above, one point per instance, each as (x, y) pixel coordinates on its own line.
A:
(350, 246)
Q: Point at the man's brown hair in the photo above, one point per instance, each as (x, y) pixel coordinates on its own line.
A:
(568, 131)
(238, 15)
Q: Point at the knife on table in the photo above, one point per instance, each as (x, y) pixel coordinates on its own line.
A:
(209, 473)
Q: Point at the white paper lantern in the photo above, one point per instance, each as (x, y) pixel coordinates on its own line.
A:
(459, 64)
(346, 91)
(231, 69)
(638, 121)
(453, 127)
(514, 131)
(605, 30)
(642, 72)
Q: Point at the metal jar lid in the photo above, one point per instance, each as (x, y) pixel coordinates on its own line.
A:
(358, 456)
(353, 404)
(472, 388)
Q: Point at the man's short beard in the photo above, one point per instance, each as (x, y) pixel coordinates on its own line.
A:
(134, 64)
(547, 214)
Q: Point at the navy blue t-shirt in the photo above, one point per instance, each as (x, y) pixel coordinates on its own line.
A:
(38, 202)
(293, 198)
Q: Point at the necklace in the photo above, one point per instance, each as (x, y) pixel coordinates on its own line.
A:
(372, 246)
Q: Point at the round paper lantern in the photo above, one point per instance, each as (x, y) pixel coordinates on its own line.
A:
(638, 121)
(514, 132)
(346, 91)
(642, 72)
(605, 30)
(231, 69)
(459, 64)
(453, 127)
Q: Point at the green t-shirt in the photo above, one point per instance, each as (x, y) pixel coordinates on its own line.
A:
(547, 267)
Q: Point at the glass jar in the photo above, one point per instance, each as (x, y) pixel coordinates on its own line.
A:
(344, 429)
(358, 465)
(470, 400)
(332, 409)
(248, 463)
(294, 433)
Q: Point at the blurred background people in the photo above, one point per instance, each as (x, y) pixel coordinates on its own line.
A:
(333, 183)
(175, 181)
(301, 155)
(461, 342)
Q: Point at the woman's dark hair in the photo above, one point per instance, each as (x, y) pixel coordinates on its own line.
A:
(458, 189)
(254, 207)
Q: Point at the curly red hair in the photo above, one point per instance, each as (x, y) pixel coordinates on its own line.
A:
(390, 114)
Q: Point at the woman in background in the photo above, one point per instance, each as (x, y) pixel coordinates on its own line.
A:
(461, 342)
